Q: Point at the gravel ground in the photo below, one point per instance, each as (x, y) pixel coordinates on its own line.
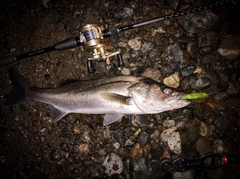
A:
(194, 53)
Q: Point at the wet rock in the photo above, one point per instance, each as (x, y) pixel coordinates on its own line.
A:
(203, 145)
(136, 152)
(199, 21)
(113, 164)
(143, 138)
(192, 49)
(167, 133)
(146, 150)
(183, 175)
(180, 123)
(232, 103)
(196, 82)
(135, 43)
(192, 132)
(123, 152)
(188, 70)
(156, 153)
(84, 148)
(233, 88)
(175, 55)
(203, 129)
(205, 50)
(155, 135)
(140, 168)
(153, 74)
(125, 71)
(219, 146)
(153, 168)
(220, 97)
(129, 143)
(222, 123)
(206, 38)
(229, 47)
(65, 147)
(146, 46)
(183, 136)
(174, 143)
(172, 81)
(168, 123)
(126, 12)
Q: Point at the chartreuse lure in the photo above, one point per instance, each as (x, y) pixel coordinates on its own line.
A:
(194, 96)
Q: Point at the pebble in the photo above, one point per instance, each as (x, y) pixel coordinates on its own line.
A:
(174, 143)
(175, 55)
(203, 129)
(188, 70)
(229, 47)
(65, 147)
(136, 152)
(113, 164)
(84, 148)
(135, 43)
(199, 21)
(196, 82)
(152, 73)
(169, 123)
(167, 133)
(143, 138)
(203, 146)
(140, 169)
(172, 81)
(218, 146)
(192, 132)
(183, 175)
(205, 50)
(125, 71)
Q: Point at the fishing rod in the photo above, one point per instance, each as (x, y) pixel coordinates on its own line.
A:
(93, 38)
(208, 161)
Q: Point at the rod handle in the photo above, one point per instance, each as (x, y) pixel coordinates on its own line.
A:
(7, 60)
(68, 43)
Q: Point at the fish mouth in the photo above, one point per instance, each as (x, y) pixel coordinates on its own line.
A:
(176, 100)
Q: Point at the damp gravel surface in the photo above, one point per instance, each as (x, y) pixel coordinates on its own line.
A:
(199, 52)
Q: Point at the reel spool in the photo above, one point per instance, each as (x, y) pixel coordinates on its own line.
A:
(91, 36)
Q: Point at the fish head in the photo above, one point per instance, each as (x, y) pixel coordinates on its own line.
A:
(153, 97)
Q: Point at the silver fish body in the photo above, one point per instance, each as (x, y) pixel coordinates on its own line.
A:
(115, 97)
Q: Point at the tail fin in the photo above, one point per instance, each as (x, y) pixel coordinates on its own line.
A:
(18, 92)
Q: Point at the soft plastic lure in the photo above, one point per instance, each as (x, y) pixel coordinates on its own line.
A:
(194, 96)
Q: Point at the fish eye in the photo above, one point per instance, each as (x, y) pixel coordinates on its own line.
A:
(167, 91)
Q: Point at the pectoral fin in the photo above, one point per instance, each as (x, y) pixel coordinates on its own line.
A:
(113, 97)
(56, 114)
(111, 118)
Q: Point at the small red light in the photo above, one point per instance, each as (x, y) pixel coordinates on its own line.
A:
(225, 160)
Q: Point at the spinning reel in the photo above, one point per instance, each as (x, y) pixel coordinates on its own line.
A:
(94, 39)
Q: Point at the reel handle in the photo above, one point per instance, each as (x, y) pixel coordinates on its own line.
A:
(91, 67)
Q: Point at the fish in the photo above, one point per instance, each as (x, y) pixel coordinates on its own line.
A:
(113, 96)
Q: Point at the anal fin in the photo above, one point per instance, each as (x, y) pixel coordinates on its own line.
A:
(111, 118)
(56, 114)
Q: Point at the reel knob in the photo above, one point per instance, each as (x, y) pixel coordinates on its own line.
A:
(91, 67)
